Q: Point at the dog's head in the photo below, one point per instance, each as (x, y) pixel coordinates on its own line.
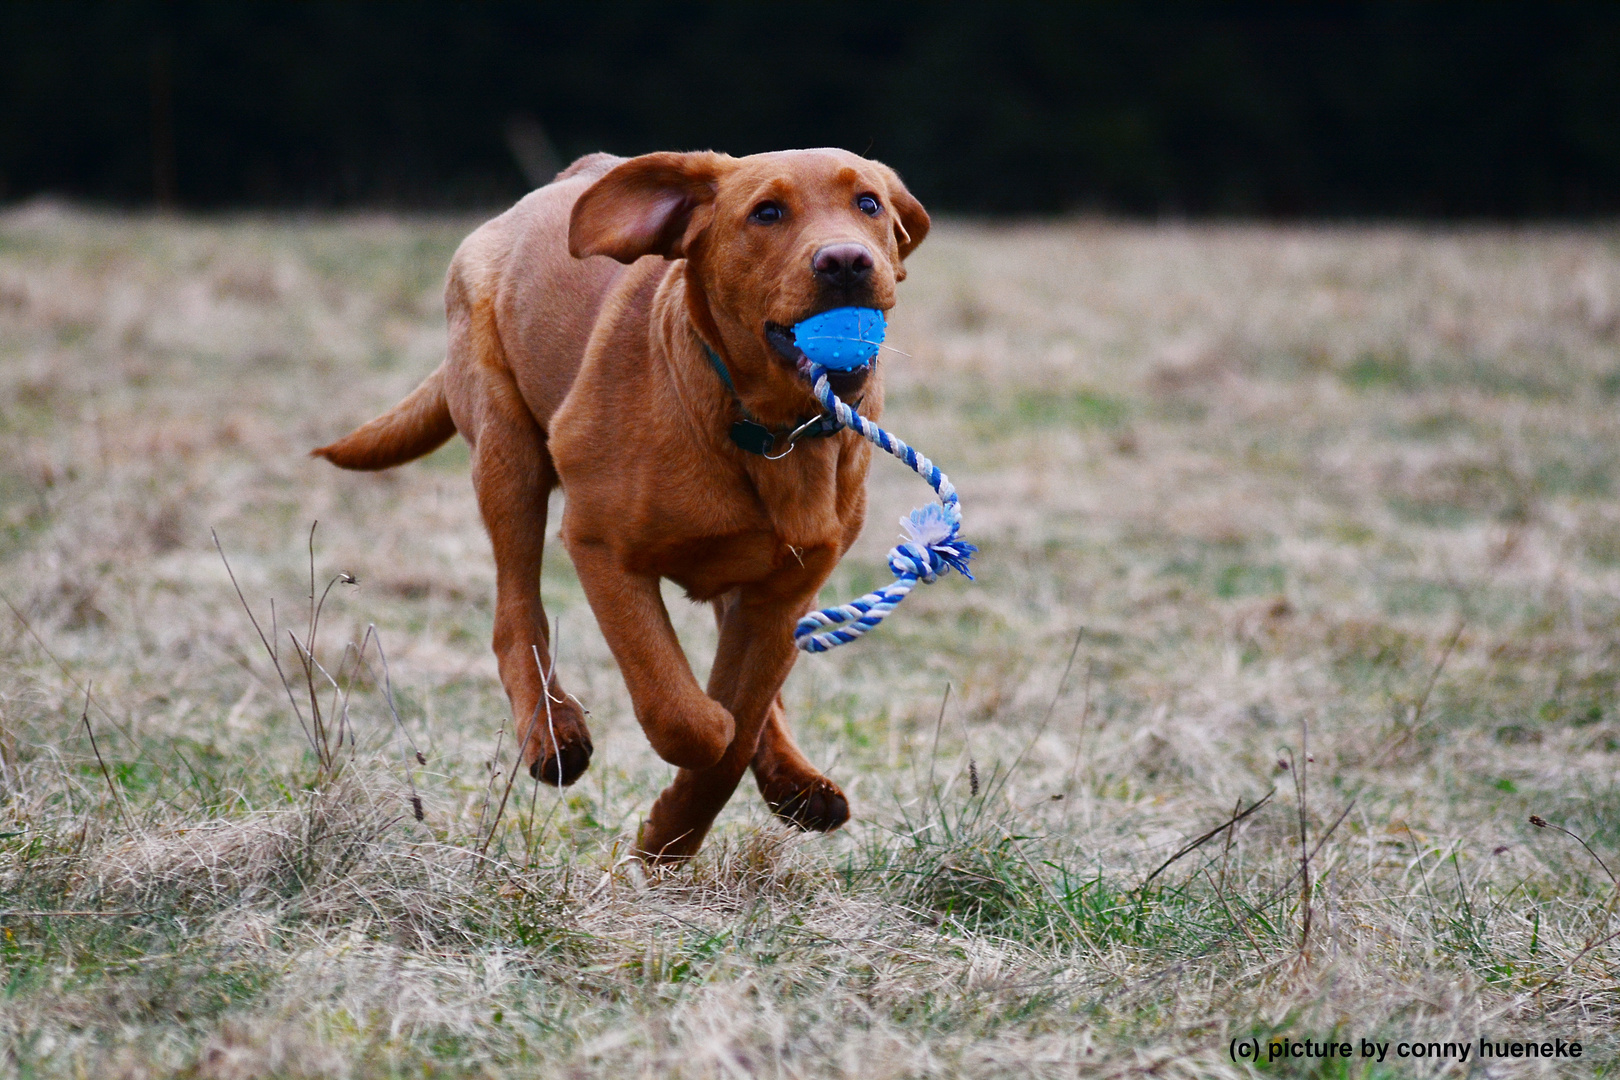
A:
(769, 239)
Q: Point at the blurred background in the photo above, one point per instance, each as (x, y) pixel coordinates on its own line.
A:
(1481, 110)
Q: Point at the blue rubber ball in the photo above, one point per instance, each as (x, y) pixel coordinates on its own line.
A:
(841, 339)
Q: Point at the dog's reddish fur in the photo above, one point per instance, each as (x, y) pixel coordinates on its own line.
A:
(577, 321)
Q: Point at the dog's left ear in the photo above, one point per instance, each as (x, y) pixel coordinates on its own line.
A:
(655, 204)
(910, 219)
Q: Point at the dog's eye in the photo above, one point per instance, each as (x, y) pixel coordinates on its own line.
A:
(868, 205)
(766, 213)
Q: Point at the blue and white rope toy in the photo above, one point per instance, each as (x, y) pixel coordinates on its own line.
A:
(845, 339)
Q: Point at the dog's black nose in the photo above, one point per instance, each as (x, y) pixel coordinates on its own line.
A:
(842, 266)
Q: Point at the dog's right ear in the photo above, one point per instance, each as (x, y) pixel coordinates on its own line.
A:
(650, 205)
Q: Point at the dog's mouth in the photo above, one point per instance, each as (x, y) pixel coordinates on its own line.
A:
(781, 341)
(844, 383)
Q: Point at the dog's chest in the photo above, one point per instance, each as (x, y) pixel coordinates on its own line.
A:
(779, 528)
(716, 565)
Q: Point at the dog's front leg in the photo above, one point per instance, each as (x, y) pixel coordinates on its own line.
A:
(794, 789)
(755, 655)
(685, 726)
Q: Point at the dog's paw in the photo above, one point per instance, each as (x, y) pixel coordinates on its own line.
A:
(660, 853)
(816, 804)
(565, 766)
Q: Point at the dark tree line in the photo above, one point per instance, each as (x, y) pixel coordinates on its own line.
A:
(1463, 109)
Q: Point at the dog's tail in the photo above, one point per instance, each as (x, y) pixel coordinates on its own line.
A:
(418, 425)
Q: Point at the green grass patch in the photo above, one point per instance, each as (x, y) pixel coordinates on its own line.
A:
(1074, 409)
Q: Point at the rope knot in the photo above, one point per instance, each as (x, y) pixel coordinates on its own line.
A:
(909, 559)
(932, 544)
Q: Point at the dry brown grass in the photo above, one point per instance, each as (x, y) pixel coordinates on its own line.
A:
(1356, 486)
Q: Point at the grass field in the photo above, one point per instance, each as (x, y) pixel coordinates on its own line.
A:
(1332, 513)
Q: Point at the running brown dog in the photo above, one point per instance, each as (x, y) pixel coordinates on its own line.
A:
(578, 322)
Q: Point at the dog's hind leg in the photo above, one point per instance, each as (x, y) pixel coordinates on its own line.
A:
(513, 476)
